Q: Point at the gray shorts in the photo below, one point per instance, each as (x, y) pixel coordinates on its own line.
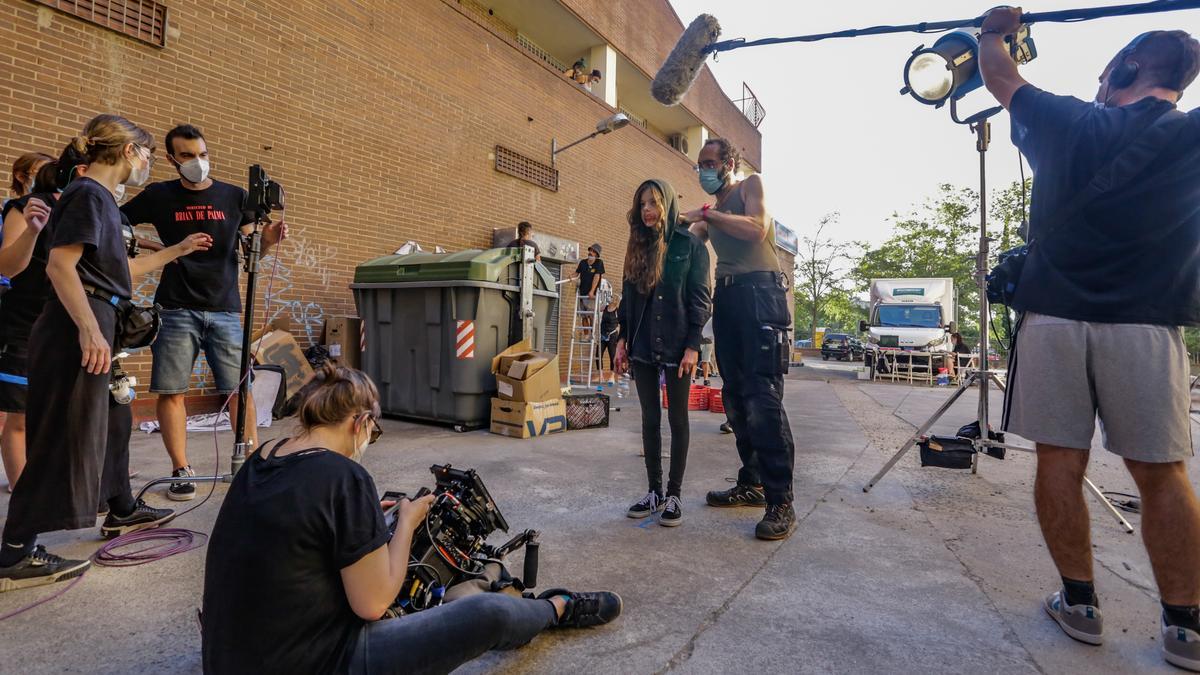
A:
(1134, 377)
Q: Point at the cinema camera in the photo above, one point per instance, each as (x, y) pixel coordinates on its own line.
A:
(450, 547)
(265, 195)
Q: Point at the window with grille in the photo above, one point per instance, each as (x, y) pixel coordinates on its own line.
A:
(143, 20)
(514, 163)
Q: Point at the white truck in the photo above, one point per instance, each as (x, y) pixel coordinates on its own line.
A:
(911, 314)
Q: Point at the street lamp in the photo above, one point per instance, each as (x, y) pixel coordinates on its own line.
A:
(604, 126)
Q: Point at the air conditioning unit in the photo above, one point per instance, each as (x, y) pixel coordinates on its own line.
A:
(679, 142)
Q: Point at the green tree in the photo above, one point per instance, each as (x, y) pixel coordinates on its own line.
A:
(819, 275)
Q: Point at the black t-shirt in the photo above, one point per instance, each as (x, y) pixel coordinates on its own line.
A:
(518, 243)
(203, 280)
(1132, 256)
(87, 214)
(31, 288)
(273, 594)
(587, 274)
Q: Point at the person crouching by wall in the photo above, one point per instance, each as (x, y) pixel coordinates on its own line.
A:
(666, 300)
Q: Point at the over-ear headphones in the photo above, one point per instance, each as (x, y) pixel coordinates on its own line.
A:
(1126, 72)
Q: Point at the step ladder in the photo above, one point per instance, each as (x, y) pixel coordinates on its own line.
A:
(584, 342)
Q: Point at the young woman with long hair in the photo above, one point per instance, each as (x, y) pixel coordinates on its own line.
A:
(666, 300)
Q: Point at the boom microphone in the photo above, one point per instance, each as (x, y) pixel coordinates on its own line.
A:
(683, 64)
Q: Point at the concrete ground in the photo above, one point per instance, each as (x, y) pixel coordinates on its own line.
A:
(934, 571)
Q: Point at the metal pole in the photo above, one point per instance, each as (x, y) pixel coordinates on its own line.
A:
(241, 447)
(983, 133)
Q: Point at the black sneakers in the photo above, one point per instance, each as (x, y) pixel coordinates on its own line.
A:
(738, 495)
(39, 568)
(778, 522)
(650, 504)
(182, 492)
(143, 517)
(585, 610)
(672, 512)
(726, 428)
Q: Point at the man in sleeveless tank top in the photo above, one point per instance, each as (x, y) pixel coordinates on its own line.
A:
(750, 328)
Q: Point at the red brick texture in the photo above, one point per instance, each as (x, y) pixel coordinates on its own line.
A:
(378, 116)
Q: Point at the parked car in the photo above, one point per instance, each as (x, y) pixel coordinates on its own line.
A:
(803, 344)
(842, 347)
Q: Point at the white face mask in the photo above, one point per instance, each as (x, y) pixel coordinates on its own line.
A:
(138, 176)
(119, 193)
(194, 170)
(361, 448)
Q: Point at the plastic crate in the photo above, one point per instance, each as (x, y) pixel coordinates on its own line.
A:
(587, 411)
(716, 403)
(697, 397)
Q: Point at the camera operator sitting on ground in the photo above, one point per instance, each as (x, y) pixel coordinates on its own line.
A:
(1109, 279)
(300, 552)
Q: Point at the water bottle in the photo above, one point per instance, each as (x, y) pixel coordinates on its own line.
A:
(623, 386)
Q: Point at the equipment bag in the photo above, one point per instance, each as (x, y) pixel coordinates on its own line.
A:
(947, 452)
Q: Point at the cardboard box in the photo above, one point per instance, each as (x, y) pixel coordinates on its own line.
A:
(523, 374)
(343, 340)
(279, 348)
(520, 419)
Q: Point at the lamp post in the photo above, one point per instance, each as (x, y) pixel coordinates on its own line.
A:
(604, 126)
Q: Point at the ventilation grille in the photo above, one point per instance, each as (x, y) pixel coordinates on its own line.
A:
(143, 20)
(530, 170)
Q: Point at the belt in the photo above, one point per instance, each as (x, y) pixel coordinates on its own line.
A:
(750, 278)
(114, 300)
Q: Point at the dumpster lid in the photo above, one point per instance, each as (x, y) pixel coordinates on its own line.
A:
(487, 265)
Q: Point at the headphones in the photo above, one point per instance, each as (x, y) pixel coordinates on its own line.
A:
(1126, 72)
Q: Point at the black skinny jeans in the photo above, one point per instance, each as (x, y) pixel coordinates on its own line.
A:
(747, 320)
(645, 376)
(440, 639)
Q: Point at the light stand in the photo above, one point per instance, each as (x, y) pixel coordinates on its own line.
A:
(982, 375)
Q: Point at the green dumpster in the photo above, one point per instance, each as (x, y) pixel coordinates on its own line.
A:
(433, 322)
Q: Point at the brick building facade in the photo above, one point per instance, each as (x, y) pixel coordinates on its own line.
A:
(379, 116)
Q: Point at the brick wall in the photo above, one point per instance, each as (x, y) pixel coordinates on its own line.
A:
(378, 116)
(645, 31)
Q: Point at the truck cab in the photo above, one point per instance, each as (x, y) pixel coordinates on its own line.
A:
(911, 314)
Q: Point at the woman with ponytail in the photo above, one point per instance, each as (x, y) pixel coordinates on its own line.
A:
(70, 350)
(301, 553)
(666, 300)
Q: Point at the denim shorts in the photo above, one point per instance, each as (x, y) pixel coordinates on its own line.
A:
(184, 333)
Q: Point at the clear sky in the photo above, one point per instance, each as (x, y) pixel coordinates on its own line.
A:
(839, 137)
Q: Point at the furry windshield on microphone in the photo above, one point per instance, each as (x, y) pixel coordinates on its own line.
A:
(683, 64)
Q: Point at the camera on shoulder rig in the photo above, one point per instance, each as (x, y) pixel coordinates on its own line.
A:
(450, 546)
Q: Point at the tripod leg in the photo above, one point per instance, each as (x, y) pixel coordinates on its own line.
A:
(912, 440)
(1087, 482)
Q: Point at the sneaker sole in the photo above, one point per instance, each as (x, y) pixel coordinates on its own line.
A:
(184, 497)
(675, 522)
(1073, 633)
(1180, 661)
(114, 532)
(17, 584)
(639, 514)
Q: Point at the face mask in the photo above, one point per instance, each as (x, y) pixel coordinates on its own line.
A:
(119, 195)
(361, 448)
(711, 181)
(591, 258)
(138, 176)
(194, 170)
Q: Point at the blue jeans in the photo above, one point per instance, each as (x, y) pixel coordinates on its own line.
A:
(440, 639)
(184, 333)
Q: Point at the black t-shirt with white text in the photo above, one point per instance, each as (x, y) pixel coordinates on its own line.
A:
(87, 214)
(273, 594)
(203, 280)
(588, 271)
(1132, 255)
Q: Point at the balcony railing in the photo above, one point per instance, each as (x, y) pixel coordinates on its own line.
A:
(532, 47)
(751, 108)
